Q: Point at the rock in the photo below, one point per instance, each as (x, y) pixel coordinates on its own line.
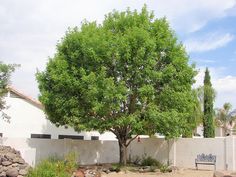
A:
(23, 172)
(4, 168)
(146, 169)
(11, 163)
(106, 170)
(15, 165)
(140, 170)
(23, 166)
(21, 161)
(1, 169)
(92, 173)
(10, 155)
(3, 159)
(79, 173)
(12, 172)
(97, 174)
(6, 163)
(18, 160)
(3, 174)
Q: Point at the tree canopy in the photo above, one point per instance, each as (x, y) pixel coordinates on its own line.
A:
(5, 73)
(129, 75)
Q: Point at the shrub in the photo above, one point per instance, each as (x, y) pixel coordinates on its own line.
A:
(47, 168)
(55, 167)
(71, 161)
(149, 161)
(115, 167)
(164, 168)
(136, 160)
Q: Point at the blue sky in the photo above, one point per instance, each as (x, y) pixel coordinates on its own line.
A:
(30, 30)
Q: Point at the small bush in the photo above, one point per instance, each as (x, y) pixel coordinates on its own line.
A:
(55, 167)
(71, 161)
(48, 169)
(136, 160)
(115, 167)
(149, 161)
(164, 169)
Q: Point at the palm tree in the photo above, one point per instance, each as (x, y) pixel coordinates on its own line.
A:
(225, 119)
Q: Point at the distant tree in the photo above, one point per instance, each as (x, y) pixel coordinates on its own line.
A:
(197, 117)
(225, 119)
(209, 95)
(129, 75)
(5, 73)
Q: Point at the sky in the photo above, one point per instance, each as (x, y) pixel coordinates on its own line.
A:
(30, 30)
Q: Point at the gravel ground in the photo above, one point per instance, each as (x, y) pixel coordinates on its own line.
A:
(180, 173)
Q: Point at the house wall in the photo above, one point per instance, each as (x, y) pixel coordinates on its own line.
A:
(27, 119)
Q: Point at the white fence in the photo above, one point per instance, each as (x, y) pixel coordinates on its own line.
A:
(179, 152)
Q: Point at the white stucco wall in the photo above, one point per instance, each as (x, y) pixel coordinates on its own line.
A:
(27, 119)
(179, 152)
(89, 152)
(156, 148)
(187, 150)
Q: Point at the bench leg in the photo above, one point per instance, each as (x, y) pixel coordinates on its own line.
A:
(196, 166)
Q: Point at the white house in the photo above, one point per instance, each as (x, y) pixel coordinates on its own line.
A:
(27, 120)
(218, 131)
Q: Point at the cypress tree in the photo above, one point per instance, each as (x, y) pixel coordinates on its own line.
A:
(208, 124)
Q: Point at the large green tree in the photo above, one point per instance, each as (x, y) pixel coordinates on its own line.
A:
(5, 73)
(209, 95)
(128, 75)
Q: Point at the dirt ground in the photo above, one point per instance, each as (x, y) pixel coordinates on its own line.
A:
(181, 173)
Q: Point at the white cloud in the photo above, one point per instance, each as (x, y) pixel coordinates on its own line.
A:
(190, 16)
(30, 29)
(225, 86)
(207, 61)
(208, 42)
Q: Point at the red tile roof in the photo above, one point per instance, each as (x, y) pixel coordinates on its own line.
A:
(28, 98)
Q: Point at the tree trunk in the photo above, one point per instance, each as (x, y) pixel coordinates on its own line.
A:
(225, 129)
(123, 153)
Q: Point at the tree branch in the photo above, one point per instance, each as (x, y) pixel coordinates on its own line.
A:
(131, 140)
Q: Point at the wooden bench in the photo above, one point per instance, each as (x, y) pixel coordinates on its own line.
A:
(205, 160)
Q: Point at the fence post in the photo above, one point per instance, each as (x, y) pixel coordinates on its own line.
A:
(172, 152)
(174, 159)
(233, 153)
(229, 153)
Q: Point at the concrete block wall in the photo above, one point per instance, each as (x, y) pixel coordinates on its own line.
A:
(188, 149)
(178, 152)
